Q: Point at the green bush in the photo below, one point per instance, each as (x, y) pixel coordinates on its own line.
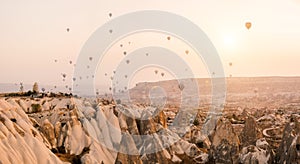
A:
(36, 108)
(196, 122)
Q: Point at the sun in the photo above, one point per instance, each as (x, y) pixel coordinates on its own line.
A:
(229, 41)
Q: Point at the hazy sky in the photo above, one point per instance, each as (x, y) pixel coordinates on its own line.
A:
(33, 34)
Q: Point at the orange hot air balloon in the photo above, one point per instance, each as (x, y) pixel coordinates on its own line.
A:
(248, 25)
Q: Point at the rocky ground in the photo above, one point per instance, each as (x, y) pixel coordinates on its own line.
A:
(259, 124)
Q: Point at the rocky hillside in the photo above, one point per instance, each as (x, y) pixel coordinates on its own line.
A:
(77, 130)
(58, 130)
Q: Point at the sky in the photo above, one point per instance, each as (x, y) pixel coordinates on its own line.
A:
(34, 34)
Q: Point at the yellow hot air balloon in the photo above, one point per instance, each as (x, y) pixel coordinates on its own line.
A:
(248, 25)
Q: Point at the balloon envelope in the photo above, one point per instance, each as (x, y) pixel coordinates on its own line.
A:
(248, 25)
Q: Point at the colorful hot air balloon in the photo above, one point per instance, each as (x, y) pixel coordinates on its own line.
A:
(248, 25)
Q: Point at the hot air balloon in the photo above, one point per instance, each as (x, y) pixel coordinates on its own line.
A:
(168, 38)
(70, 62)
(125, 76)
(127, 61)
(124, 52)
(156, 71)
(147, 54)
(91, 58)
(110, 31)
(181, 86)
(68, 29)
(121, 45)
(248, 25)
(230, 63)
(110, 14)
(55, 60)
(63, 75)
(187, 51)
(162, 74)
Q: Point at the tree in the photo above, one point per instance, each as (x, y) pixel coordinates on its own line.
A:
(35, 88)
